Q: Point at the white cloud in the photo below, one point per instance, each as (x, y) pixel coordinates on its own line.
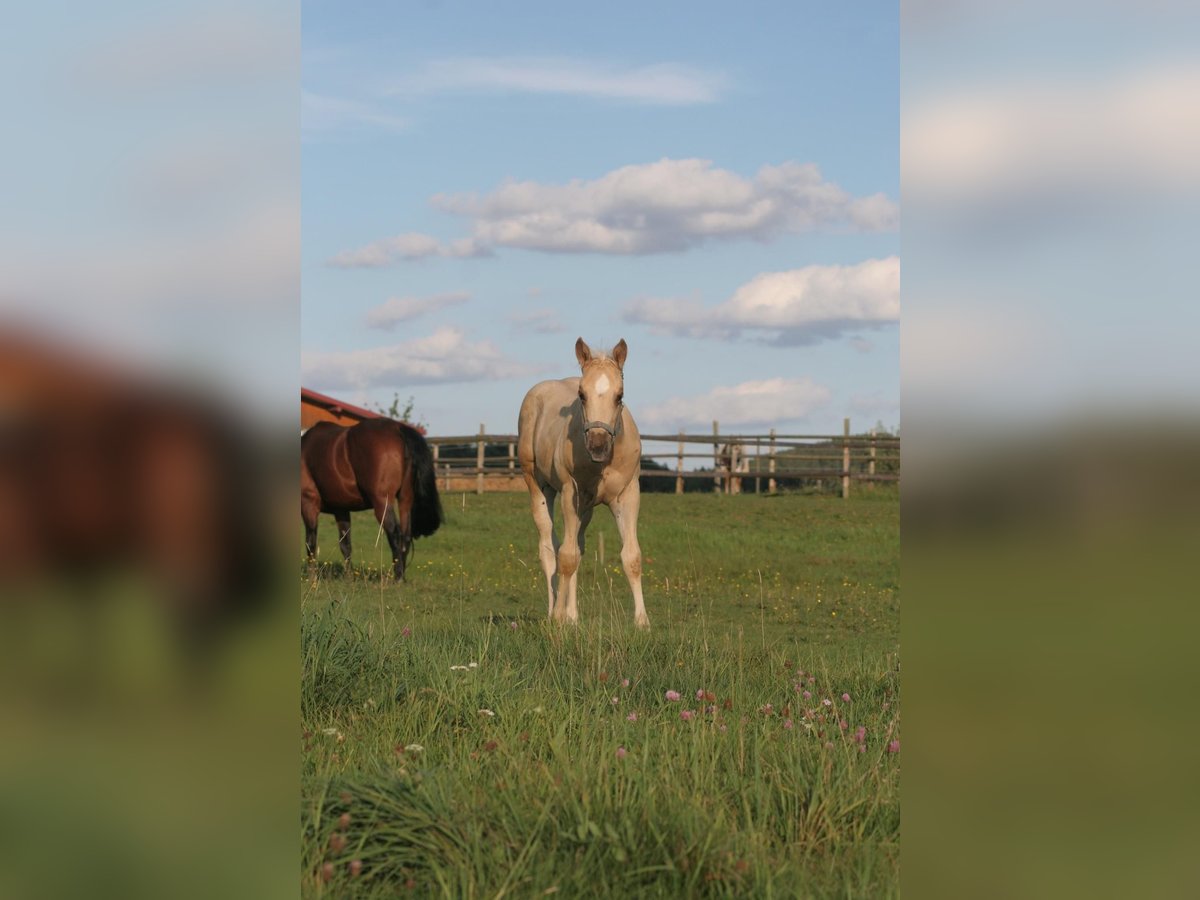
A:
(401, 309)
(405, 247)
(443, 357)
(665, 206)
(799, 306)
(751, 403)
(538, 321)
(1030, 145)
(663, 84)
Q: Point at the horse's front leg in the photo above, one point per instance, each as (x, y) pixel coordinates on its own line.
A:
(625, 510)
(569, 555)
(310, 510)
(541, 501)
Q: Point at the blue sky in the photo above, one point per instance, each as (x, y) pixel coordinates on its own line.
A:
(483, 183)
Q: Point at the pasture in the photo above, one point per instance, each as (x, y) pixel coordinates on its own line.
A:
(454, 744)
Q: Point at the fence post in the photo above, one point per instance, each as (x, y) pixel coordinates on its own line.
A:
(716, 457)
(845, 458)
(871, 464)
(771, 466)
(512, 456)
(479, 460)
(758, 464)
(679, 467)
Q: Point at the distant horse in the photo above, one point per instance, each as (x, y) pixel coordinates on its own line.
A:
(378, 464)
(577, 438)
(731, 460)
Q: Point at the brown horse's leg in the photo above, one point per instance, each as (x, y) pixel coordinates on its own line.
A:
(403, 509)
(310, 509)
(386, 517)
(342, 517)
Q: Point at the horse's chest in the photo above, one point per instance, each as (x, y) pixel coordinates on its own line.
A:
(608, 488)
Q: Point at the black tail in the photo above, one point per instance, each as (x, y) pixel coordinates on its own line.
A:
(427, 505)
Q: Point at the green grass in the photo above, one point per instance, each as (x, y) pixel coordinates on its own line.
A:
(765, 795)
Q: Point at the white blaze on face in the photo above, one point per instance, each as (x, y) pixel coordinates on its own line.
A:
(602, 385)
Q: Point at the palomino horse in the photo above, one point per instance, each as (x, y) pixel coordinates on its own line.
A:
(577, 438)
(368, 466)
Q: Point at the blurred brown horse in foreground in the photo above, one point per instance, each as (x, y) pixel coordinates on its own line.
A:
(105, 469)
(368, 466)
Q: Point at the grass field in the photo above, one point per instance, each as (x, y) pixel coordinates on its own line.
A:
(456, 745)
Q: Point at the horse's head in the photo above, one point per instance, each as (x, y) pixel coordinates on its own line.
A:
(601, 393)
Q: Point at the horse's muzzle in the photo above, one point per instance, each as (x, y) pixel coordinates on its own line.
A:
(598, 438)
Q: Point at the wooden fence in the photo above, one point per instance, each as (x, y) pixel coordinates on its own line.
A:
(734, 463)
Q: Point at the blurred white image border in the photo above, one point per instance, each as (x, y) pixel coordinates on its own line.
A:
(149, 247)
(1051, 168)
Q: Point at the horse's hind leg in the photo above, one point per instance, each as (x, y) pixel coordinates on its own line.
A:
(625, 511)
(396, 538)
(403, 506)
(342, 517)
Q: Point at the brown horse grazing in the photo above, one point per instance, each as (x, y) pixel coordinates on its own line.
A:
(576, 437)
(368, 466)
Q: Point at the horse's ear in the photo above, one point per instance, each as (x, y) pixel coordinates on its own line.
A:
(619, 353)
(583, 352)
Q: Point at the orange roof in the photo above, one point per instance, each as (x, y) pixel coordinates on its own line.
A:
(334, 405)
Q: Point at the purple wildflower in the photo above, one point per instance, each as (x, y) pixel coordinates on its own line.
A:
(673, 696)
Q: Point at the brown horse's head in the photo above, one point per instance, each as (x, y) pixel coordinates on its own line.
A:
(601, 393)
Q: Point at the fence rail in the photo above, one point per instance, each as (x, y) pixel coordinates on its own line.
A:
(486, 461)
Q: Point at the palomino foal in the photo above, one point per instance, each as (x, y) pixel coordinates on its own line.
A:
(577, 438)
